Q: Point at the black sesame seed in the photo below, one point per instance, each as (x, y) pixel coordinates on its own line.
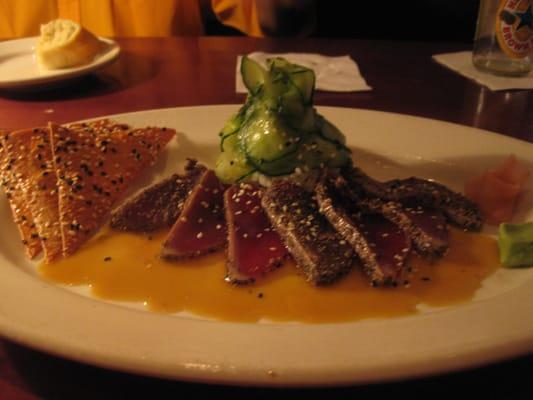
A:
(106, 259)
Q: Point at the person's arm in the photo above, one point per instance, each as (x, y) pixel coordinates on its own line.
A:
(286, 17)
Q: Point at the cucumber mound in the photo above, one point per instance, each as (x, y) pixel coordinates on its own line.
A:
(277, 130)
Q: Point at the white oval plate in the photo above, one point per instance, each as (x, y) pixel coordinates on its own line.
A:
(19, 68)
(496, 324)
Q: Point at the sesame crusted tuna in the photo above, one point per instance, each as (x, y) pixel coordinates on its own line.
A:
(160, 205)
(458, 210)
(424, 225)
(319, 250)
(381, 245)
(201, 226)
(254, 247)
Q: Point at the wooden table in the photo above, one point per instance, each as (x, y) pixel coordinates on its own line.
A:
(158, 73)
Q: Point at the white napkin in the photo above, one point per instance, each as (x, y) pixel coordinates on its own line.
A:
(461, 62)
(333, 74)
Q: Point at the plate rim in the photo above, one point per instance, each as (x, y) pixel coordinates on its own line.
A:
(228, 373)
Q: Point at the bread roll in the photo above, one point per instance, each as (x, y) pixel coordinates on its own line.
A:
(63, 44)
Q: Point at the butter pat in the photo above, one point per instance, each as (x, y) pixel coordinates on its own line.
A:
(64, 44)
(516, 244)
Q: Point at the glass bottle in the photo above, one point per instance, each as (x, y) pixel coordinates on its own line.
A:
(503, 44)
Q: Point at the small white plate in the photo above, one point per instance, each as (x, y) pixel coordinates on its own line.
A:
(496, 324)
(19, 68)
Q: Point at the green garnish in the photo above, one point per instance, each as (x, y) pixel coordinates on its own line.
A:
(516, 244)
(277, 130)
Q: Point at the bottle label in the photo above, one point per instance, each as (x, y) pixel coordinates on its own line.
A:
(514, 27)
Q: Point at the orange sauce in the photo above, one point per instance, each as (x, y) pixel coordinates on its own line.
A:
(126, 267)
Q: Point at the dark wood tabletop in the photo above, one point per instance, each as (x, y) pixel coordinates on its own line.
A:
(168, 72)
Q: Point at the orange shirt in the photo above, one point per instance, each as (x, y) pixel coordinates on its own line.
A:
(104, 17)
(239, 14)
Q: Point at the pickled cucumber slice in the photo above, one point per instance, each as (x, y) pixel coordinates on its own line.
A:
(516, 244)
(268, 143)
(231, 164)
(253, 75)
(278, 130)
(317, 152)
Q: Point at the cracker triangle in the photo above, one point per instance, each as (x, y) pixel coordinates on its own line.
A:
(94, 166)
(40, 188)
(12, 178)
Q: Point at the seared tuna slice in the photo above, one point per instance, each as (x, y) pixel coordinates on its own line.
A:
(381, 245)
(426, 227)
(427, 230)
(160, 205)
(363, 185)
(201, 227)
(320, 252)
(459, 210)
(254, 247)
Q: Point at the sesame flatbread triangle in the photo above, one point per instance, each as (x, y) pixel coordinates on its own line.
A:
(40, 186)
(94, 167)
(12, 179)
